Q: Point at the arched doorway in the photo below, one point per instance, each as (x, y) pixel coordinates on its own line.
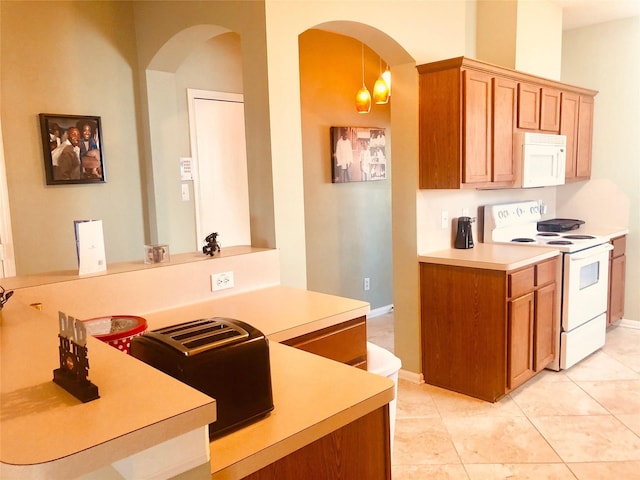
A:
(351, 224)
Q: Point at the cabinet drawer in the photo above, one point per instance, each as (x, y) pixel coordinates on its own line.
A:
(546, 272)
(345, 343)
(521, 282)
(619, 246)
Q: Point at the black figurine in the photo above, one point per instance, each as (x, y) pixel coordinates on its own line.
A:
(212, 245)
(4, 296)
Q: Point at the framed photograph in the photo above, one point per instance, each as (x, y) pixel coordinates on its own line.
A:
(72, 148)
(358, 154)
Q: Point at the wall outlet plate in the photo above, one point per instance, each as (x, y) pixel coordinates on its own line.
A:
(367, 283)
(444, 219)
(221, 281)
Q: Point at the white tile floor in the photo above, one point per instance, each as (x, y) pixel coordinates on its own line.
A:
(580, 424)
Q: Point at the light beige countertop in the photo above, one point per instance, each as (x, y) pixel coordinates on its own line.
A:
(606, 232)
(47, 278)
(48, 433)
(281, 313)
(313, 396)
(490, 256)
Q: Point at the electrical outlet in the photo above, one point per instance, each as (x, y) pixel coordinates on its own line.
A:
(221, 281)
(185, 192)
(367, 283)
(444, 219)
(465, 212)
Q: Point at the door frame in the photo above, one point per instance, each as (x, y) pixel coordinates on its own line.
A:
(7, 256)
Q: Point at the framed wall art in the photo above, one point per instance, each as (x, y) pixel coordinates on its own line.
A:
(358, 154)
(72, 148)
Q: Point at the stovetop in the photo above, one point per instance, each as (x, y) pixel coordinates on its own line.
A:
(517, 224)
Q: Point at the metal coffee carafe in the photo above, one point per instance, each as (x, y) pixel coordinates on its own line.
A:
(464, 237)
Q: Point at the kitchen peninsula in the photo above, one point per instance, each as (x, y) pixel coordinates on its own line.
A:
(318, 402)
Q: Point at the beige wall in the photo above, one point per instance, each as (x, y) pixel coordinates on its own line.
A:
(126, 38)
(69, 58)
(442, 26)
(602, 57)
(330, 75)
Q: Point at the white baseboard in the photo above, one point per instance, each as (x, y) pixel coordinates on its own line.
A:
(376, 312)
(411, 376)
(628, 323)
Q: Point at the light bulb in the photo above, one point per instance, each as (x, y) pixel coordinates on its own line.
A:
(386, 76)
(363, 100)
(380, 91)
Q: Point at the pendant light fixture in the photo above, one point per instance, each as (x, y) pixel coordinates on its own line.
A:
(363, 97)
(381, 89)
(386, 75)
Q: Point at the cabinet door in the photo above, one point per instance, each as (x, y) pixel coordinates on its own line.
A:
(505, 96)
(477, 128)
(550, 110)
(545, 325)
(528, 106)
(616, 288)
(585, 134)
(520, 338)
(569, 127)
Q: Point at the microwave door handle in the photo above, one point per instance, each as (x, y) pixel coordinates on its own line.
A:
(589, 252)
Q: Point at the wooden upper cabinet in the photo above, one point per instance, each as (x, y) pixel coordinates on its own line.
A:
(585, 135)
(470, 111)
(505, 107)
(569, 127)
(576, 122)
(528, 106)
(550, 110)
(538, 108)
(476, 144)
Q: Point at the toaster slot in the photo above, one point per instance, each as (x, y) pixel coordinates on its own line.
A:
(201, 335)
(210, 340)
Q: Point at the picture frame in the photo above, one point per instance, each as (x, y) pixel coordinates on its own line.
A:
(358, 154)
(72, 149)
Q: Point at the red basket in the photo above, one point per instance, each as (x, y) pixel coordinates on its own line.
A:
(116, 330)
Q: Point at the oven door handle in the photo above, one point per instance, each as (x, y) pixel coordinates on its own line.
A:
(589, 252)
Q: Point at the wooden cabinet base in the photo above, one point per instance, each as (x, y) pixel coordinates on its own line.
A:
(359, 450)
(345, 342)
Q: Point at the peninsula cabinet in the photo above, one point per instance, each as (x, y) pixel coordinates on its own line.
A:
(470, 111)
(485, 332)
(345, 342)
(617, 268)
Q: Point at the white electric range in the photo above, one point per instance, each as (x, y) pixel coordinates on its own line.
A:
(585, 272)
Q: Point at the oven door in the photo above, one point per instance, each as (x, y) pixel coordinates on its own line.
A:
(585, 286)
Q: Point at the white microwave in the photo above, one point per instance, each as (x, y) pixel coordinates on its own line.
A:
(541, 158)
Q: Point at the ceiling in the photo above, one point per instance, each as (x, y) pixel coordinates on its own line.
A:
(582, 13)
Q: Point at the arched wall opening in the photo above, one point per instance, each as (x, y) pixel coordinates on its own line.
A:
(366, 228)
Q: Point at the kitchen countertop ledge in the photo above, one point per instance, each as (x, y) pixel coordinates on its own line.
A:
(490, 256)
(313, 396)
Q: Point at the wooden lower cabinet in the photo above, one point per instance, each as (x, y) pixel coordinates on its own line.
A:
(359, 450)
(485, 332)
(617, 273)
(520, 340)
(345, 342)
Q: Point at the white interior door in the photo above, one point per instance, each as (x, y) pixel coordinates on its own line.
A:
(218, 148)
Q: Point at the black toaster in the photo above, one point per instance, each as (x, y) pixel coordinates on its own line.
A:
(224, 358)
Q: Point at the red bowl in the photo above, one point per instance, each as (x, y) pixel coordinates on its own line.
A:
(116, 330)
